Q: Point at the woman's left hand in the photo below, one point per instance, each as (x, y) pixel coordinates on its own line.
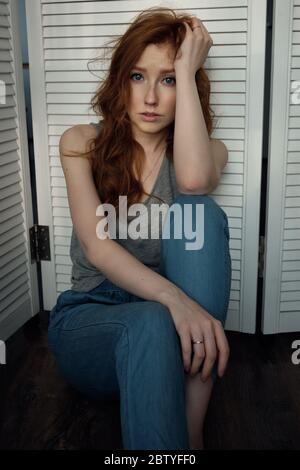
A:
(194, 48)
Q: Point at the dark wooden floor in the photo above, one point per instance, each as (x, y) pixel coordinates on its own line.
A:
(255, 406)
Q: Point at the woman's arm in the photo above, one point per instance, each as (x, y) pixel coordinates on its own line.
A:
(193, 161)
(126, 271)
(117, 264)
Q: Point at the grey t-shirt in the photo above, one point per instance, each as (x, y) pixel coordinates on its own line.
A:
(86, 276)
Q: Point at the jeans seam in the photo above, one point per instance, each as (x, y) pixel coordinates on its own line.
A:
(106, 291)
(126, 404)
(86, 326)
(227, 260)
(126, 391)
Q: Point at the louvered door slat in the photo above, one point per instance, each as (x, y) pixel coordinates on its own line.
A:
(18, 281)
(281, 308)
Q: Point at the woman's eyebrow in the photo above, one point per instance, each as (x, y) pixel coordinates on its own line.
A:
(161, 70)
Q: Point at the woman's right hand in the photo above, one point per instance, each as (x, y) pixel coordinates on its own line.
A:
(193, 322)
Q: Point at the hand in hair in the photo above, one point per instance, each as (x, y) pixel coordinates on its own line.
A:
(194, 48)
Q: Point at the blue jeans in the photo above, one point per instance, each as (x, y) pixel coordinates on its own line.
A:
(111, 344)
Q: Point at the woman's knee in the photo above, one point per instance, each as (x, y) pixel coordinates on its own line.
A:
(154, 341)
(155, 316)
(156, 325)
(194, 219)
(210, 206)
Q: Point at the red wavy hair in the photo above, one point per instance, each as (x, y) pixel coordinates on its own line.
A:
(114, 152)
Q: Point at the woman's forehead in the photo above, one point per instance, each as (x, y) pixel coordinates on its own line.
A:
(153, 53)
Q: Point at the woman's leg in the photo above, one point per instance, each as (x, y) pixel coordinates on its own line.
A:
(107, 347)
(205, 276)
(198, 395)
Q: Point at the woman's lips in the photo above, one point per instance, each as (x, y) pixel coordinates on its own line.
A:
(150, 118)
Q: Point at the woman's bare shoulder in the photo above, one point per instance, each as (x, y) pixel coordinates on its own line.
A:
(76, 138)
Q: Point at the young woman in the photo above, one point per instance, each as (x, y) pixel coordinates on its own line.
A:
(144, 319)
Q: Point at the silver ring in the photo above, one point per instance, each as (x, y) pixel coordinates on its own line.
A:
(198, 342)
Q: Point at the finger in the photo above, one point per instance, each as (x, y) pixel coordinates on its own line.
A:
(186, 347)
(203, 31)
(196, 27)
(210, 352)
(195, 23)
(203, 27)
(223, 347)
(206, 33)
(198, 354)
(188, 28)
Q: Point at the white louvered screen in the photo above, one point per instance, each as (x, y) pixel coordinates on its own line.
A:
(18, 280)
(64, 35)
(281, 306)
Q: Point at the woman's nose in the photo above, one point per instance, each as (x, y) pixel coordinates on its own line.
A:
(151, 95)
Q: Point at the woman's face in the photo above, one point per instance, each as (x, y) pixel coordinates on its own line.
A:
(153, 89)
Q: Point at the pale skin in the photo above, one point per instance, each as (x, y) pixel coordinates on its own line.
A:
(156, 92)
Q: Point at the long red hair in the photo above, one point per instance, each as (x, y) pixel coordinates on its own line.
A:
(114, 152)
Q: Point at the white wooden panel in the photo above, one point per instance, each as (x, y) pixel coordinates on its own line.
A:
(18, 278)
(281, 307)
(65, 35)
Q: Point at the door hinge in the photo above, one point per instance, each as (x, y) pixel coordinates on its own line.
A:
(39, 243)
(261, 257)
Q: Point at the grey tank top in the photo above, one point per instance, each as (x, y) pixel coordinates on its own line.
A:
(85, 276)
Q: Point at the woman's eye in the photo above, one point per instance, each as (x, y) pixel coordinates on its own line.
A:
(166, 78)
(134, 74)
(172, 78)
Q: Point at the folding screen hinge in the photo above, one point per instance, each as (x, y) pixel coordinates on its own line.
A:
(261, 257)
(39, 243)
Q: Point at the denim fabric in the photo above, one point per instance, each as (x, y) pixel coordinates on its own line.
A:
(111, 344)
